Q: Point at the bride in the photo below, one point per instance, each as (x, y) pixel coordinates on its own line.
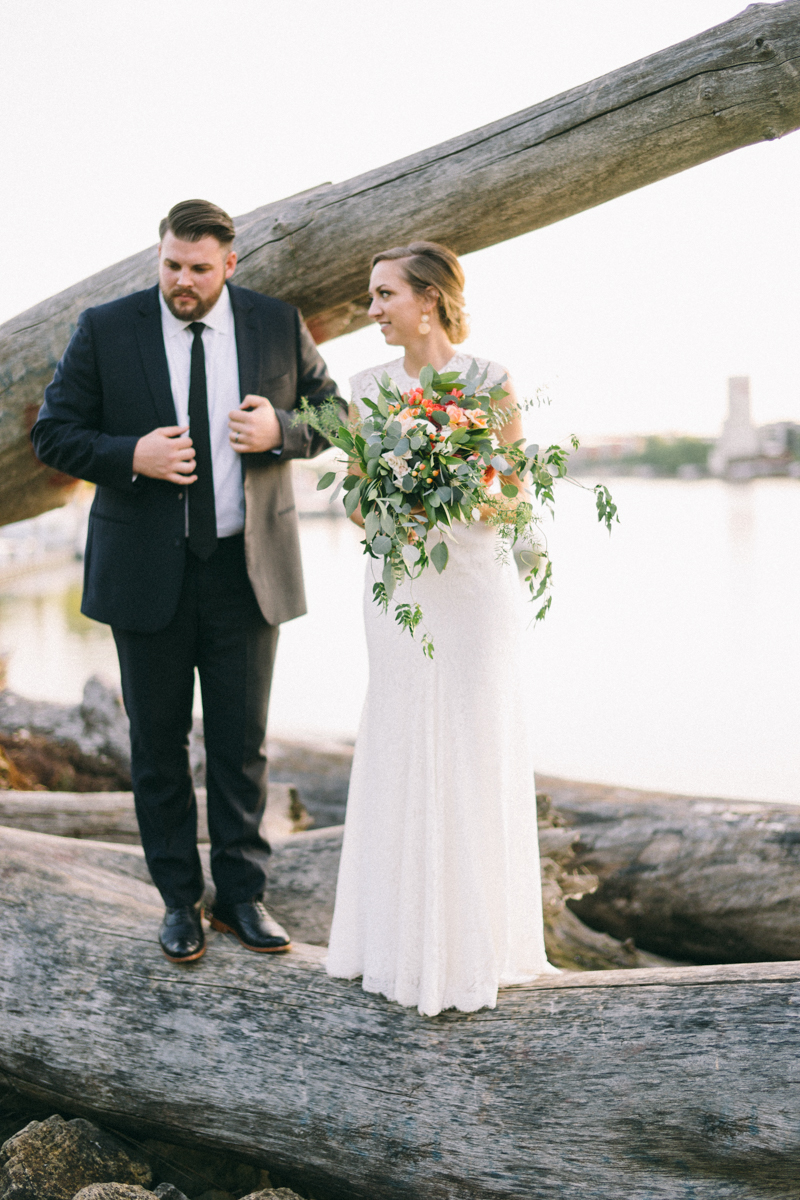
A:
(438, 902)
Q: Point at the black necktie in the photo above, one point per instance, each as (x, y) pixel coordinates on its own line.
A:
(202, 514)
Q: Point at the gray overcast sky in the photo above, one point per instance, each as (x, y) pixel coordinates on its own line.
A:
(633, 313)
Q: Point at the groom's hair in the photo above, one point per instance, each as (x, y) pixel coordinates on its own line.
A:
(191, 220)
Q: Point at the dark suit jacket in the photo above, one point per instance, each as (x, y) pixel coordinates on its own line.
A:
(111, 387)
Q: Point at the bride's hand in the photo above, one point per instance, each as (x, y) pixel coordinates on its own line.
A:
(356, 516)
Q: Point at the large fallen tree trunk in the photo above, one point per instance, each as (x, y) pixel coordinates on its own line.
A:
(691, 878)
(625, 1083)
(303, 871)
(111, 816)
(731, 86)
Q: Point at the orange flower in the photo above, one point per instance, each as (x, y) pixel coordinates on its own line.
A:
(489, 475)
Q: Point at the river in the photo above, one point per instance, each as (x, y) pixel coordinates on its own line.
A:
(670, 658)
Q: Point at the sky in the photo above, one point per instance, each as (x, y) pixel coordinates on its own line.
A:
(632, 314)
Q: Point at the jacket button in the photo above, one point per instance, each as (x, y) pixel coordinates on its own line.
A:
(180, 495)
(177, 541)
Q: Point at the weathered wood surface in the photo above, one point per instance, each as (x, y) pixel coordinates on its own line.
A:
(688, 877)
(731, 86)
(111, 816)
(303, 871)
(624, 1083)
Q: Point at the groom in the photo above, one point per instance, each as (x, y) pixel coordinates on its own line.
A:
(178, 403)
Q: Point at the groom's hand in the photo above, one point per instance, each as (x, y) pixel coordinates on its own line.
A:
(254, 427)
(166, 453)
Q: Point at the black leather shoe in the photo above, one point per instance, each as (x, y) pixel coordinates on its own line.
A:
(252, 925)
(181, 934)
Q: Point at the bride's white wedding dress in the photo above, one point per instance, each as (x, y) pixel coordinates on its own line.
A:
(439, 898)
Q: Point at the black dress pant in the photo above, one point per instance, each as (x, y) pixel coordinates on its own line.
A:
(218, 628)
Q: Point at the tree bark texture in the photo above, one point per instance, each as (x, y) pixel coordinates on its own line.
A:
(652, 1083)
(731, 86)
(691, 878)
(111, 816)
(303, 871)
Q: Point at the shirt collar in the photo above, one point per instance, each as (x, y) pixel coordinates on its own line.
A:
(219, 318)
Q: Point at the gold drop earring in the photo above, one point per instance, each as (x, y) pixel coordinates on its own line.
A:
(424, 324)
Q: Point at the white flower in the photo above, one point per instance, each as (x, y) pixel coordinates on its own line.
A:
(398, 463)
(407, 419)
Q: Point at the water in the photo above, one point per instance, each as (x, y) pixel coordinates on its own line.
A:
(670, 658)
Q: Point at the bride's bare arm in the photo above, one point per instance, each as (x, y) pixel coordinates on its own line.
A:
(355, 516)
(512, 431)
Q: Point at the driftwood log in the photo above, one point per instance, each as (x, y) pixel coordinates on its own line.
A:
(688, 878)
(303, 870)
(111, 817)
(651, 1083)
(731, 86)
(692, 878)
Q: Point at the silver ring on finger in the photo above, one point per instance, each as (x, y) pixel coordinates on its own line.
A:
(236, 437)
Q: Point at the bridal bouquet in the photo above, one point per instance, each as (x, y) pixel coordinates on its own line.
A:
(424, 460)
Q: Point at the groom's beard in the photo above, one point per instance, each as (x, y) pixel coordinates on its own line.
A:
(187, 312)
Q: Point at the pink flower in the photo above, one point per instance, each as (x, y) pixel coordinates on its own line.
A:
(457, 415)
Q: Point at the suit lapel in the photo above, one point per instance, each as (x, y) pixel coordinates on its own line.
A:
(150, 337)
(247, 346)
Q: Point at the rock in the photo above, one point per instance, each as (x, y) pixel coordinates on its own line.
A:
(11, 778)
(273, 1194)
(55, 742)
(114, 1191)
(168, 1191)
(55, 1159)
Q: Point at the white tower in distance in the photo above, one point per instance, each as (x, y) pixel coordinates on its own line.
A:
(739, 437)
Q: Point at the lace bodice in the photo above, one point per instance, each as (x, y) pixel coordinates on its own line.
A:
(365, 382)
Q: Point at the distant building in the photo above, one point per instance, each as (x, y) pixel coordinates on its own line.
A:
(744, 451)
(739, 438)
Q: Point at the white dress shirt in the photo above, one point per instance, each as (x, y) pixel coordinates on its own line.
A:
(222, 386)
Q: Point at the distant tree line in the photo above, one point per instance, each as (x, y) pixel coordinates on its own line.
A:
(666, 454)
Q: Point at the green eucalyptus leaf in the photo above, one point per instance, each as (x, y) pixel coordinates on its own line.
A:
(372, 524)
(426, 376)
(509, 490)
(351, 501)
(439, 556)
(326, 481)
(389, 581)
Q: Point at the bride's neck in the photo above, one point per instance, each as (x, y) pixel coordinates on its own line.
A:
(433, 348)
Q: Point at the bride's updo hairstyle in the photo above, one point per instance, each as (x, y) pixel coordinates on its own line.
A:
(427, 264)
